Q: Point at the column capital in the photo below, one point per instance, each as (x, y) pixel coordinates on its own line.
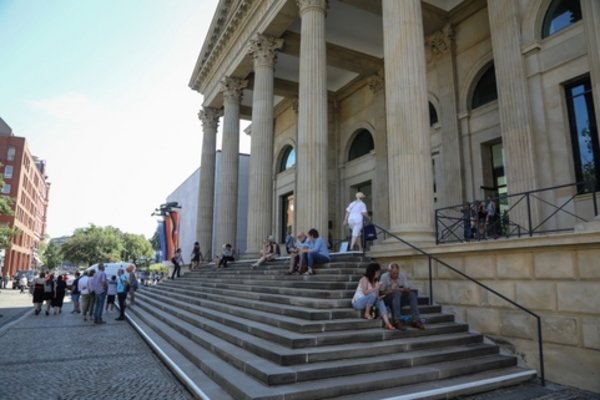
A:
(440, 41)
(263, 50)
(210, 118)
(305, 5)
(233, 88)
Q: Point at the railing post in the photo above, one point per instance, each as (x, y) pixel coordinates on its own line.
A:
(430, 284)
(595, 203)
(529, 215)
(437, 233)
(540, 347)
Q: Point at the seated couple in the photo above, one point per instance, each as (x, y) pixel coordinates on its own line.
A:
(392, 290)
(306, 252)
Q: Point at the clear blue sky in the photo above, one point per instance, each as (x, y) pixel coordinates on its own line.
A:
(99, 89)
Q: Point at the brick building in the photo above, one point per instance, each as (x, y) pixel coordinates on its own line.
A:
(25, 181)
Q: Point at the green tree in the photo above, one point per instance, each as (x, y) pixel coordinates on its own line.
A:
(94, 244)
(6, 233)
(136, 247)
(52, 256)
(155, 240)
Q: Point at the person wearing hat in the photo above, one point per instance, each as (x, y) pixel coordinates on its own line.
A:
(268, 252)
(355, 214)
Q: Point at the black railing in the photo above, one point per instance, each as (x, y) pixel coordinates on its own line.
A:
(431, 257)
(461, 223)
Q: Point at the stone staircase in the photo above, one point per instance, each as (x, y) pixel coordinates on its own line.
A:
(261, 334)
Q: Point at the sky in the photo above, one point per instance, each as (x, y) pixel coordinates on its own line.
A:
(99, 88)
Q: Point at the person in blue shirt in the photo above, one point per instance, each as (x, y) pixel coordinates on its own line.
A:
(316, 252)
(121, 293)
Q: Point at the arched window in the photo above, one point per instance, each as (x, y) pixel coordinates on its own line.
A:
(433, 117)
(485, 90)
(288, 160)
(361, 145)
(560, 14)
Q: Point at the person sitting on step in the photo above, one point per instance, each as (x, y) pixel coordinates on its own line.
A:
(395, 288)
(367, 295)
(297, 265)
(268, 252)
(316, 251)
(226, 256)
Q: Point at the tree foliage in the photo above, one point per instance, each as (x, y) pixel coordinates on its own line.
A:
(155, 240)
(6, 233)
(94, 244)
(105, 244)
(52, 256)
(136, 247)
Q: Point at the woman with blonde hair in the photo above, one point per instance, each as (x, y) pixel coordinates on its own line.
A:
(355, 215)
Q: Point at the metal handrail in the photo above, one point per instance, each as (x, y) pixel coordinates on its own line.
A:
(447, 226)
(489, 289)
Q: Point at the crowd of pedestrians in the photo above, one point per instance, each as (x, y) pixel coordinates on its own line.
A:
(92, 293)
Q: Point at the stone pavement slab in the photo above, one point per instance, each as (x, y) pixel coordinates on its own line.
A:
(63, 357)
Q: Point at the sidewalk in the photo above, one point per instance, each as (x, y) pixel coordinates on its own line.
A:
(60, 356)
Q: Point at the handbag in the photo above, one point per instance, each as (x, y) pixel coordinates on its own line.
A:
(369, 232)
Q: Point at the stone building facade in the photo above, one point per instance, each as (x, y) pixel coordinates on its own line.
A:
(421, 105)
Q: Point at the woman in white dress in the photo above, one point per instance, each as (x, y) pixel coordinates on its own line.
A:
(355, 214)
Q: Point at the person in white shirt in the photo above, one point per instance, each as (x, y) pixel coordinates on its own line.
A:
(87, 298)
(355, 215)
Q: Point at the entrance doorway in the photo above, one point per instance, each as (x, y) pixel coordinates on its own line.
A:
(287, 216)
(366, 188)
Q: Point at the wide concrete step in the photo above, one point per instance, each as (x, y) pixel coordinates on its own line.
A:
(253, 377)
(293, 339)
(286, 356)
(292, 281)
(274, 289)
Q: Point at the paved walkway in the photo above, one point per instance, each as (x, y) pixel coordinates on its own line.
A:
(62, 357)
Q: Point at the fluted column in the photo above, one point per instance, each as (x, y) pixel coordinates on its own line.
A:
(227, 223)
(312, 192)
(450, 188)
(590, 10)
(513, 102)
(206, 192)
(260, 201)
(409, 143)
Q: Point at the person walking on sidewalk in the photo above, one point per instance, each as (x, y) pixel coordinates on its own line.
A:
(60, 289)
(87, 294)
(99, 286)
(75, 293)
(38, 292)
(122, 284)
(49, 292)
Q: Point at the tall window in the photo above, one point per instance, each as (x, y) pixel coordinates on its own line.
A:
(10, 155)
(584, 135)
(8, 171)
(485, 90)
(288, 160)
(6, 188)
(433, 117)
(560, 15)
(361, 145)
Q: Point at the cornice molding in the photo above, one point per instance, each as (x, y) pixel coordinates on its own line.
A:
(222, 29)
(377, 82)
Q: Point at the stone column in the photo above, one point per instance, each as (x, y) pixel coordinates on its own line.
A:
(590, 10)
(206, 191)
(513, 102)
(227, 221)
(260, 200)
(312, 187)
(451, 187)
(409, 142)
